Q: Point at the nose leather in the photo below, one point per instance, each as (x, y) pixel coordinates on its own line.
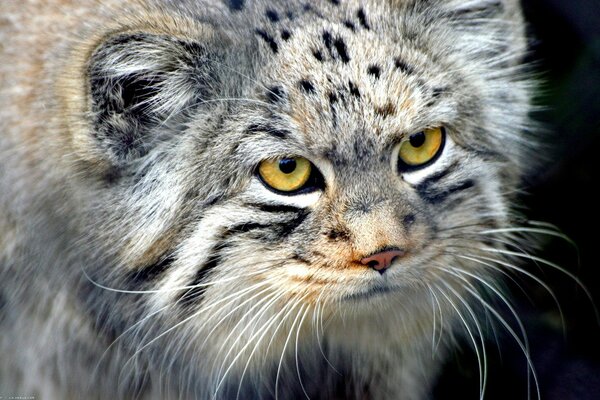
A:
(382, 260)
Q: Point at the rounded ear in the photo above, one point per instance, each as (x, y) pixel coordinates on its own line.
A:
(496, 26)
(489, 29)
(142, 84)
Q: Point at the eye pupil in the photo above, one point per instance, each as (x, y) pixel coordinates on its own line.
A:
(287, 165)
(417, 139)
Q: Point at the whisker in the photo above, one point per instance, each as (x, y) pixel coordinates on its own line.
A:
(523, 344)
(485, 261)
(469, 332)
(296, 355)
(194, 315)
(268, 301)
(262, 333)
(482, 373)
(552, 265)
(283, 351)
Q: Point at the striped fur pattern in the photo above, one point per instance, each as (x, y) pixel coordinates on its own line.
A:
(142, 257)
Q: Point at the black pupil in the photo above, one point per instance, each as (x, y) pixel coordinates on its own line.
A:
(287, 165)
(417, 140)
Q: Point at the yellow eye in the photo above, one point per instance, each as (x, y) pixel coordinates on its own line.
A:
(285, 174)
(421, 147)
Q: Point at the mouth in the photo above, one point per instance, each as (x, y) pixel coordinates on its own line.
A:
(370, 293)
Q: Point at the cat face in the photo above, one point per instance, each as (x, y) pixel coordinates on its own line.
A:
(323, 163)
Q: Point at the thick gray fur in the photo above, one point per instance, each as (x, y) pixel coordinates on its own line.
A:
(140, 255)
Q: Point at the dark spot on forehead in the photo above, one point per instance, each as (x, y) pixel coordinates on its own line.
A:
(333, 98)
(272, 15)
(307, 86)
(374, 70)
(348, 24)
(285, 34)
(404, 67)
(270, 130)
(340, 46)
(362, 18)
(236, 5)
(327, 39)
(435, 94)
(438, 91)
(353, 89)
(386, 110)
(318, 55)
(336, 2)
(268, 39)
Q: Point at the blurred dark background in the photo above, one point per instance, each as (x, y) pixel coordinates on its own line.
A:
(565, 49)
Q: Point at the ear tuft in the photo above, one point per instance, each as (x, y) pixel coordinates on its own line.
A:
(142, 83)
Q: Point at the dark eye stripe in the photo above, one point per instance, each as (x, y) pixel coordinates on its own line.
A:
(439, 195)
(275, 208)
(438, 176)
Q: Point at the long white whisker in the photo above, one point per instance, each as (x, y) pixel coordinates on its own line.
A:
(459, 273)
(262, 333)
(268, 301)
(485, 261)
(552, 265)
(296, 354)
(192, 316)
(287, 340)
(469, 332)
(482, 373)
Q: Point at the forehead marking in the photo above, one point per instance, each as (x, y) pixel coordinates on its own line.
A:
(268, 39)
(272, 15)
(374, 70)
(403, 67)
(307, 86)
(362, 18)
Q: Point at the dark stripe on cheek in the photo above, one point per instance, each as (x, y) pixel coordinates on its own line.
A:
(275, 94)
(307, 86)
(287, 228)
(193, 295)
(350, 25)
(151, 272)
(353, 89)
(318, 55)
(243, 228)
(433, 196)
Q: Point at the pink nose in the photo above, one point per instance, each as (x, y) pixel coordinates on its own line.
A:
(382, 260)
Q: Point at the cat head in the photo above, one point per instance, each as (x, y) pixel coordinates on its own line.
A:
(271, 157)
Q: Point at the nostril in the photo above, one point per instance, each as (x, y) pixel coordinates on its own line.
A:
(381, 260)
